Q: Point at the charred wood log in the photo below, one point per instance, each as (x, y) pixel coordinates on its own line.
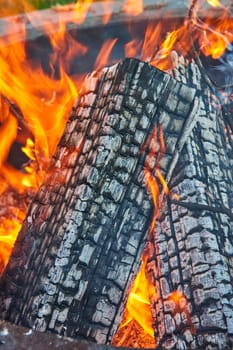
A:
(191, 249)
(80, 246)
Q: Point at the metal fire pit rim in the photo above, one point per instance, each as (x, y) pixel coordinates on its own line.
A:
(153, 10)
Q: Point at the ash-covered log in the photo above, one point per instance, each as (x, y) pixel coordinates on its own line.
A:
(80, 246)
(191, 249)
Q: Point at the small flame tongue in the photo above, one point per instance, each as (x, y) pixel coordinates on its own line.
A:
(214, 3)
(136, 328)
(138, 304)
(133, 7)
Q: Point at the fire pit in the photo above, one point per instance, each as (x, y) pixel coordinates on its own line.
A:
(137, 197)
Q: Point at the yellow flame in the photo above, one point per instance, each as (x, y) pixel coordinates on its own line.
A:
(214, 3)
(138, 304)
(29, 150)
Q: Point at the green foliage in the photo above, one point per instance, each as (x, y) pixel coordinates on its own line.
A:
(43, 4)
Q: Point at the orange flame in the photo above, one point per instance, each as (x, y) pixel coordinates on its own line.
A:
(133, 48)
(179, 299)
(42, 100)
(181, 306)
(152, 38)
(133, 7)
(10, 8)
(8, 132)
(140, 294)
(156, 146)
(153, 187)
(213, 36)
(81, 10)
(9, 229)
(137, 314)
(103, 56)
(175, 40)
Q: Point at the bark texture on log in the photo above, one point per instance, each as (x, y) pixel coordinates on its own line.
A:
(81, 243)
(191, 249)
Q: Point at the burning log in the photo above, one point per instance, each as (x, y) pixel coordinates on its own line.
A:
(80, 246)
(191, 249)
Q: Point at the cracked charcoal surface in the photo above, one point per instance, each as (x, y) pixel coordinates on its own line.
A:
(192, 246)
(81, 243)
